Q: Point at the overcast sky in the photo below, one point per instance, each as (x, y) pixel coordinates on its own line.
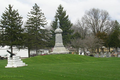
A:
(74, 8)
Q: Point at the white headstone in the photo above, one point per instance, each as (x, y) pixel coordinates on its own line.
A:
(119, 55)
(82, 53)
(101, 54)
(14, 62)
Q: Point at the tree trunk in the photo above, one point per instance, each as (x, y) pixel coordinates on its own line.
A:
(98, 49)
(109, 49)
(36, 50)
(78, 51)
(11, 48)
(116, 49)
(28, 52)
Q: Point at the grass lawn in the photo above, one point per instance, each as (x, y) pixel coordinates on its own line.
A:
(63, 67)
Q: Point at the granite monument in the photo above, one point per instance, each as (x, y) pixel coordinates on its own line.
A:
(59, 47)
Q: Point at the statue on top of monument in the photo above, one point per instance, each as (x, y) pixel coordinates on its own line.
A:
(11, 54)
(58, 24)
(58, 30)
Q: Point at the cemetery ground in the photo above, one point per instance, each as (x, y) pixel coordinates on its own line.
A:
(63, 67)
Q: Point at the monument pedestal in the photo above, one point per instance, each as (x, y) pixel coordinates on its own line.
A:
(60, 50)
(14, 62)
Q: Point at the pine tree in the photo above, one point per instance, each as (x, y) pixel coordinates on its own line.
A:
(114, 40)
(11, 21)
(36, 36)
(65, 25)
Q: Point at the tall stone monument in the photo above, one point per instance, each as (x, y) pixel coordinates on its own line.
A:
(59, 47)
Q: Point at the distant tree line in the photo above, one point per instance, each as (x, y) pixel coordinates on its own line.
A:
(94, 30)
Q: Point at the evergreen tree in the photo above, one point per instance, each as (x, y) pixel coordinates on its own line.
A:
(36, 37)
(11, 21)
(65, 25)
(114, 40)
(1, 36)
(103, 36)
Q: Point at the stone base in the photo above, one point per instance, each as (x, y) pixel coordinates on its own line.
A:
(15, 62)
(15, 66)
(60, 50)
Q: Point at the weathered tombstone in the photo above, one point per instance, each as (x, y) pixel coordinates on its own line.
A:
(14, 61)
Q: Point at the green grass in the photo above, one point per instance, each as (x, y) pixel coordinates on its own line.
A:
(63, 67)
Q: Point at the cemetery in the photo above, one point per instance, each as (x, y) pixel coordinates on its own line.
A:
(65, 52)
(59, 64)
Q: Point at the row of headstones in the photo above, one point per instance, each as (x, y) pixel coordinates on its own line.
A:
(106, 55)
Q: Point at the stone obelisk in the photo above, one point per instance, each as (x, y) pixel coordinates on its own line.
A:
(59, 47)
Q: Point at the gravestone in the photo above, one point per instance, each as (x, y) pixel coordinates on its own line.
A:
(88, 52)
(119, 55)
(82, 53)
(14, 61)
(59, 47)
(104, 55)
(115, 54)
(101, 54)
(107, 55)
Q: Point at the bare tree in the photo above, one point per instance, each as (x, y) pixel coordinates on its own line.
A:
(81, 28)
(97, 20)
(89, 42)
(92, 42)
(77, 43)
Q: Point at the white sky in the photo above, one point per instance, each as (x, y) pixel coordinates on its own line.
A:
(74, 8)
